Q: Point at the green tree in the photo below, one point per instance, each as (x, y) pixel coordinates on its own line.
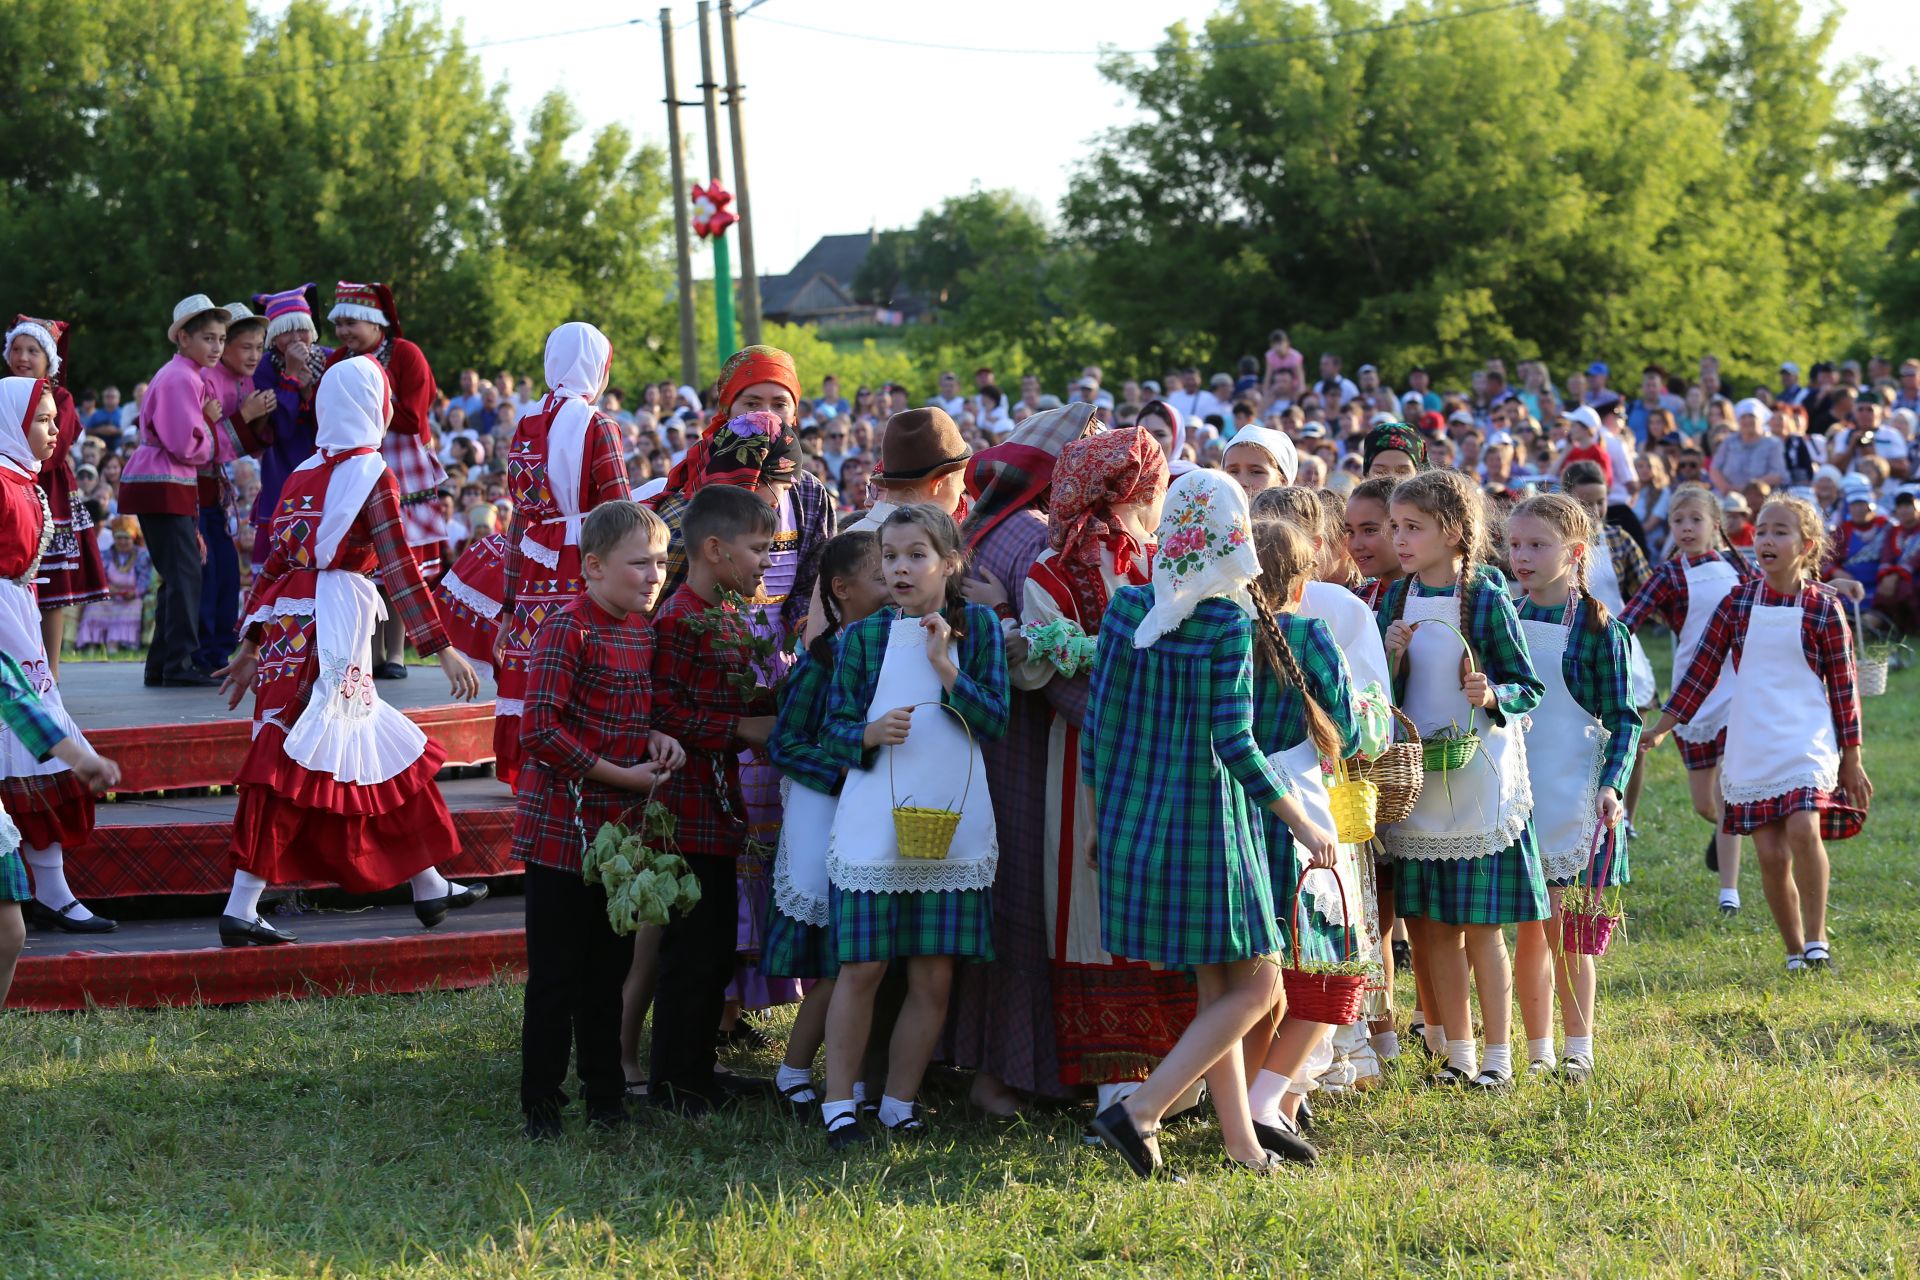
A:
(157, 148)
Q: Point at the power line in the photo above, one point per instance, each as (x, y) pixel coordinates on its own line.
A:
(1269, 42)
(414, 55)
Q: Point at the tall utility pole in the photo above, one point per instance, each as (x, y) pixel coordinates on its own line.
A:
(722, 259)
(682, 235)
(749, 277)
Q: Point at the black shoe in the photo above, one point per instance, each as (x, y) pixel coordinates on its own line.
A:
(1117, 1129)
(606, 1119)
(1303, 1118)
(1492, 1081)
(801, 1100)
(683, 1103)
(914, 1126)
(1713, 852)
(235, 932)
(433, 911)
(1817, 956)
(46, 917)
(744, 1035)
(1402, 956)
(1448, 1078)
(1728, 909)
(1285, 1142)
(1576, 1070)
(848, 1133)
(389, 671)
(740, 1088)
(543, 1123)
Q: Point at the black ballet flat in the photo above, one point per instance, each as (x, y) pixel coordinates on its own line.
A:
(46, 917)
(390, 671)
(1116, 1127)
(467, 897)
(433, 911)
(1285, 1142)
(236, 932)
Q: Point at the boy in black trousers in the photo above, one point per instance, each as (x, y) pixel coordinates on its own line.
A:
(590, 754)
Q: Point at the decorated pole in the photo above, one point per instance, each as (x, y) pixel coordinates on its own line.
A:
(736, 95)
(722, 254)
(711, 218)
(682, 231)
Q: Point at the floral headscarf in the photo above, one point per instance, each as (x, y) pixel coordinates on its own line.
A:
(1095, 474)
(1206, 549)
(1393, 435)
(750, 449)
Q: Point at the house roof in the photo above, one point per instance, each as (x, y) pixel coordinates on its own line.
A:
(827, 270)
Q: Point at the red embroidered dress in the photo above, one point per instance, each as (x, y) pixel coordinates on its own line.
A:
(72, 570)
(338, 787)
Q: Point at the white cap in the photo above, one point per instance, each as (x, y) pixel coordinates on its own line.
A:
(1585, 415)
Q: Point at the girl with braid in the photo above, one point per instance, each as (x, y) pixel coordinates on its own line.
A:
(1304, 719)
(1581, 743)
(1469, 864)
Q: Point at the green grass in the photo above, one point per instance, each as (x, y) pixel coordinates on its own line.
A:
(1743, 1122)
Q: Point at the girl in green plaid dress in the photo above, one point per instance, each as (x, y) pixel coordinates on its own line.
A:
(1469, 864)
(1581, 745)
(1177, 782)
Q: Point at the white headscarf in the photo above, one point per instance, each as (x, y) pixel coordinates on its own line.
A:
(1286, 458)
(18, 404)
(353, 406)
(1754, 408)
(1205, 549)
(578, 360)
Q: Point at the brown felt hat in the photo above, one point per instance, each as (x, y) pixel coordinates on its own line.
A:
(919, 444)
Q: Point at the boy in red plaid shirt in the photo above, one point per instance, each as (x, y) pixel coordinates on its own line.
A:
(590, 755)
(698, 652)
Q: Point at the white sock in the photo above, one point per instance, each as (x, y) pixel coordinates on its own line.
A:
(1460, 1057)
(1498, 1059)
(50, 880)
(1264, 1095)
(1386, 1046)
(893, 1111)
(1436, 1038)
(859, 1091)
(1580, 1047)
(1541, 1050)
(429, 884)
(831, 1113)
(1729, 897)
(244, 902)
(789, 1077)
(1185, 1102)
(1106, 1095)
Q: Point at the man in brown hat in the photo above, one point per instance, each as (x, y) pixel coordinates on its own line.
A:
(922, 459)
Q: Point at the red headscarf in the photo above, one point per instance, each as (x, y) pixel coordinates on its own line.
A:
(750, 365)
(1095, 474)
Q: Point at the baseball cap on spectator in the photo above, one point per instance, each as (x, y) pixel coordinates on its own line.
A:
(1381, 419)
(1856, 488)
(1087, 384)
(1598, 367)
(1804, 492)
(1433, 424)
(1195, 422)
(1606, 402)
(1822, 366)
(1367, 368)
(1460, 416)
(1788, 366)
(1049, 402)
(1313, 431)
(1499, 437)
(1586, 417)
(1736, 502)
(1827, 471)
(1222, 380)
(1150, 385)
(1412, 397)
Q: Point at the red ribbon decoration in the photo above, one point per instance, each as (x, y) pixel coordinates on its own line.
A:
(711, 217)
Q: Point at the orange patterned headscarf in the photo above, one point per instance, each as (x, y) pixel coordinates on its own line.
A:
(750, 365)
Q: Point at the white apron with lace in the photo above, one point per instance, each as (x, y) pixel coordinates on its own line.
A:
(1780, 734)
(1604, 585)
(862, 854)
(346, 732)
(1566, 753)
(1463, 813)
(800, 863)
(1707, 585)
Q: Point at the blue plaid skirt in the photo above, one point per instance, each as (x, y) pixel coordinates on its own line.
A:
(1501, 888)
(889, 926)
(1607, 870)
(13, 877)
(795, 950)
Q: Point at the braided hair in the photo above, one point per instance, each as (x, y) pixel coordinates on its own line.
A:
(847, 555)
(1454, 502)
(1690, 495)
(1286, 563)
(1574, 523)
(944, 536)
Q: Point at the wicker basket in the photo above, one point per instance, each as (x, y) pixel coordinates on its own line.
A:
(1587, 933)
(1332, 998)
(1449, 755)
(1397, 773)
(1355, 803)
(1872, 671)
(923, 833)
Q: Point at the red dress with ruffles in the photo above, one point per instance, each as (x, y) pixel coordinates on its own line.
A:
(72, 572)
(469, 597)
(294, 824)
(542, 564)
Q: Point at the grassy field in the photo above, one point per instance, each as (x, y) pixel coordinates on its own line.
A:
(1743, 1122)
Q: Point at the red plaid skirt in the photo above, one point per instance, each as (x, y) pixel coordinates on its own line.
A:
(1839, 818)
(1702, 755)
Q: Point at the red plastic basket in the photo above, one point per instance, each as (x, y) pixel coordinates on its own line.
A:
(1334, 998)
(1587, 933)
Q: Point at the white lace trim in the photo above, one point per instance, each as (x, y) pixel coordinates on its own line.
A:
(794, 902)
(1818, 776)
(284, 607)
(1570, 862)
(509, 706)
(537, 553)
(1427, 847)
(469, 597)
(912, 875)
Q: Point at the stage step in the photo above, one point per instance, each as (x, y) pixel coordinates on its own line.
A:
(153, 963)
(173, 845)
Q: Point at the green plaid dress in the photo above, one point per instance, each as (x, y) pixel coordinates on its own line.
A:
(793, 948)
(1505, 887)
(1280, 724)
(1178, 782)
(1597, 674)
(37, 731)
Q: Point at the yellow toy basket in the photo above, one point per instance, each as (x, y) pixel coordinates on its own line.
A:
(925, 833)
(1355, 803)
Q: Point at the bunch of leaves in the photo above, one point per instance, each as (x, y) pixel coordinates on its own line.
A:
(1588, 900)
(642, 871)
(1337, 968)
(741, 634)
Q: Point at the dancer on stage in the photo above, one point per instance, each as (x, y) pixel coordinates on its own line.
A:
(368, 324)
(338, 786)
(47, 795)
(71, 570)
(291, 370)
